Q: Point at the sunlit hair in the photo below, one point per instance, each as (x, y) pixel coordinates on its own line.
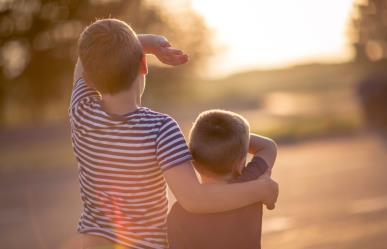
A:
(110, 53)
(218, 140)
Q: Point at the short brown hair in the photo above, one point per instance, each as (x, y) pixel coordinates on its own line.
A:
(218, 140)
(110, 53)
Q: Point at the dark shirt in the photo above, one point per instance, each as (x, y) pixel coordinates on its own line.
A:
(235, 229)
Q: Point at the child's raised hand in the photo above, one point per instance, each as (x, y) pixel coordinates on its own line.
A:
(162, 49)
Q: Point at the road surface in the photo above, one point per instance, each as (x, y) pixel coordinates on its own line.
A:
(333, 194)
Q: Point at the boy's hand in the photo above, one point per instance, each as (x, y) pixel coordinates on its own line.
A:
(162, 49)
(271, 195)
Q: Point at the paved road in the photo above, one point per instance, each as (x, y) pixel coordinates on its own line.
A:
(333, 195)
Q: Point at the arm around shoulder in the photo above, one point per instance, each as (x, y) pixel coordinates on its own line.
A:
(209, 198)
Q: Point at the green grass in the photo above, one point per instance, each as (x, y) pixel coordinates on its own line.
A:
(301, 128)
(312, 78)
(333, 86)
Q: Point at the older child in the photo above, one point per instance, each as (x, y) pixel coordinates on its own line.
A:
(127, 153)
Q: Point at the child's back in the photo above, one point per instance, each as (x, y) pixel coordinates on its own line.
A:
(121, 157)
(239, 228)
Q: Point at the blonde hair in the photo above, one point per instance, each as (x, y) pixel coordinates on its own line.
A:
(110, 53)
(218, 140)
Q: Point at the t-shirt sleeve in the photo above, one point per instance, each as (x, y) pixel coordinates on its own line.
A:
(81, 91)
(254, 169)
(171, 147)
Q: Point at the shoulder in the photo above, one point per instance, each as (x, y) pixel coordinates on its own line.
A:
(82, 93)
(161, 121)
(166, 123)
(155, 115)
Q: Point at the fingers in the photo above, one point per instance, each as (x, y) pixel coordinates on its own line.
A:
(163, 42)
(180, 59)
(177, 60)
(171, 51)
(172, 56)
(270, 206)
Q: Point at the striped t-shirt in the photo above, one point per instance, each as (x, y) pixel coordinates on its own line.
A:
(121, 160)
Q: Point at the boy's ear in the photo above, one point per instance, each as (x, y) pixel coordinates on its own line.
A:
(143, 65)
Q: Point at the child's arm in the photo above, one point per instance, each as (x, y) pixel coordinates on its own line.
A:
(209, 198)
(161, 48)
(152, 44)
(78, 71)
(265, 151)
(264, 148)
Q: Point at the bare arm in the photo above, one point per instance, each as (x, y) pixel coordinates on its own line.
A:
(152, 44)
(78, 71)
(162, 49)
(263, 147)
(208, 198)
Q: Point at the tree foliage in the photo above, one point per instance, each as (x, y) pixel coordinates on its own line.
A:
(369, 30)
(370, 43)
(38, 43)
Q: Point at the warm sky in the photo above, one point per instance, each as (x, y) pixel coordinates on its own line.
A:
(276, 33)
(266, 34)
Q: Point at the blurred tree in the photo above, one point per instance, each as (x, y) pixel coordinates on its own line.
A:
(38, 44)
(373, 96)
(369, 30)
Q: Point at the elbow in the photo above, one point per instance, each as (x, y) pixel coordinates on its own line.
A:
(273, 145)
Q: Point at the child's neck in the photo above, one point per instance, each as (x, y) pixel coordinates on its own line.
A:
(206, 179)
(121, 103)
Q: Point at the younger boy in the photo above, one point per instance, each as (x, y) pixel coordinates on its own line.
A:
(126, 153)
(219, 143)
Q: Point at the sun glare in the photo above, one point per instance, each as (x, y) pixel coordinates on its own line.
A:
(267, 34)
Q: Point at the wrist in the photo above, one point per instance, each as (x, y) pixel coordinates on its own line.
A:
(145, 41)
(262, 188)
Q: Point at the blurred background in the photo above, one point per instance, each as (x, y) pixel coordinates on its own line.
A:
(310, 74)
